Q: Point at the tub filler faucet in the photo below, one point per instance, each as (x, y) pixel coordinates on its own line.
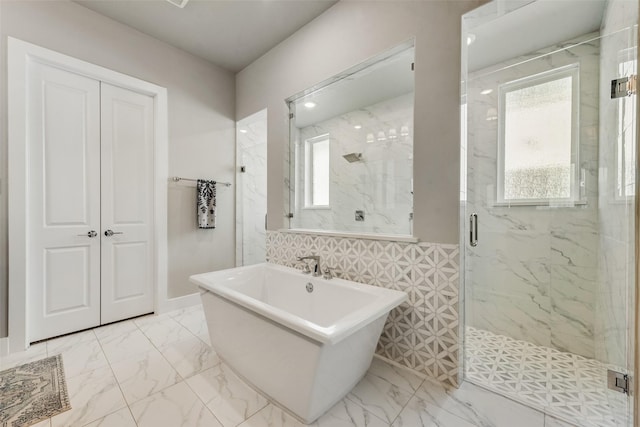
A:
(316, 258)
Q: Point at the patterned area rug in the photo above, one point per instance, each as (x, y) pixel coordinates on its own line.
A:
(33, 392)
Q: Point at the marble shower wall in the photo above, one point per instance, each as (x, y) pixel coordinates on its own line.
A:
(533, 275)
(615, 289)
(251, 196)
(380, 184)
(421, 334)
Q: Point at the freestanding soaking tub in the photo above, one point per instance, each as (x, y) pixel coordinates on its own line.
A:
(303, 341)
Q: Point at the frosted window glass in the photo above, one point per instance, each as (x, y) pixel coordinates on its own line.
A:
(320, 173)
(537, 141)
(626, 147)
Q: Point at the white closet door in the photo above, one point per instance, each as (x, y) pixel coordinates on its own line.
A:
(127, 203)
(64, 202)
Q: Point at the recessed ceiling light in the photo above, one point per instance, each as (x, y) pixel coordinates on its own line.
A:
(309, 104)
(357, 127)
(486, 92)
(243, 131)
(470, 38)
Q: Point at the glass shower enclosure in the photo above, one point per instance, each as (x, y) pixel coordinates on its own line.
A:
(251, 190)
(548, 204)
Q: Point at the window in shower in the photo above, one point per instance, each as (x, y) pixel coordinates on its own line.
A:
(625, 144)
(317, 172)
(538, 143)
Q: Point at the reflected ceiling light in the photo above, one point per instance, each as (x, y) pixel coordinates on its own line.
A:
(392, 133)
(382, 136)
(486, 92)
(309, 104)
(470, 38)
(357, 127)
(492, 114)
(370, 138)
(404, 131)
(180, 3)
(243, 131)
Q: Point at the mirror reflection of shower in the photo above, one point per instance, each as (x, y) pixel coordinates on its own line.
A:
(251, 196)
(351, 147)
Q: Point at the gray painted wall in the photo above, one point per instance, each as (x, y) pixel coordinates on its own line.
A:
(345, 35)
(201, 123)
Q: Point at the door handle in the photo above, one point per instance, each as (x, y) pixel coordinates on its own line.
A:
(91, 233)
(473, 229)
(110, 233)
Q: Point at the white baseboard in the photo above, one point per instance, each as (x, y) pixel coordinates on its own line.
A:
(179, 303)
(4, 347)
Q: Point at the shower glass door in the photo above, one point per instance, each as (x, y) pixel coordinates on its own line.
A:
(548, 181)
(251, 192)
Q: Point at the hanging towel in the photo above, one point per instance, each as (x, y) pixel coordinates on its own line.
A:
(206, 203)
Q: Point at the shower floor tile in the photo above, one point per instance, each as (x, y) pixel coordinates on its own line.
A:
(564, 385)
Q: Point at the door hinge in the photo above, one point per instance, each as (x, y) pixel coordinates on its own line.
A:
(289, 215)
(413, 66)
(618, 381)
(624, 86)
(243, 169)
(290, 116)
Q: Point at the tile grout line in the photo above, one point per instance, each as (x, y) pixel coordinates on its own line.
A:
(408, 401)
(184, 380)
(117, 382)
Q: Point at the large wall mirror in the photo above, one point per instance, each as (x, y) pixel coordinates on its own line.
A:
(351, 142)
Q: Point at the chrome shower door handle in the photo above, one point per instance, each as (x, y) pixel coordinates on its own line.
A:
(473, 229)
(89, 234)
(110, 233)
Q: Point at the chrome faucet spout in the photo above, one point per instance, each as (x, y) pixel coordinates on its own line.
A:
(316, 258)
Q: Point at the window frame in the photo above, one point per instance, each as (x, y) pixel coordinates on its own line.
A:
(627, 65)
(573, 71)
(308, 171)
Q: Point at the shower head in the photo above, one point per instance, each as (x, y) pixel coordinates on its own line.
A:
(353, 157)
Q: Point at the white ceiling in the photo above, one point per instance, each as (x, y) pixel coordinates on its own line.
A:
(382, 80)
(534, 26)
(228, 33)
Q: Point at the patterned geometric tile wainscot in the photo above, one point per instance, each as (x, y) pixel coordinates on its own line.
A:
(421, 334)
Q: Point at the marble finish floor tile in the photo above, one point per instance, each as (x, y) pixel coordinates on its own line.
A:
(176, 406)
(194, 321)
(420, 413)
(123, 343)
(226, 395)
(400, 377)
(564, 385)
(144, 374)
(190, 356)
(184, 383)
(93, 396)
(120, 418)
(478, 406)
(163, 331)
(380, 397)
(79, 356)
(344, 414)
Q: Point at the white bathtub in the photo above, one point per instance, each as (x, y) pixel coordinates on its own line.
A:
(304, 350)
